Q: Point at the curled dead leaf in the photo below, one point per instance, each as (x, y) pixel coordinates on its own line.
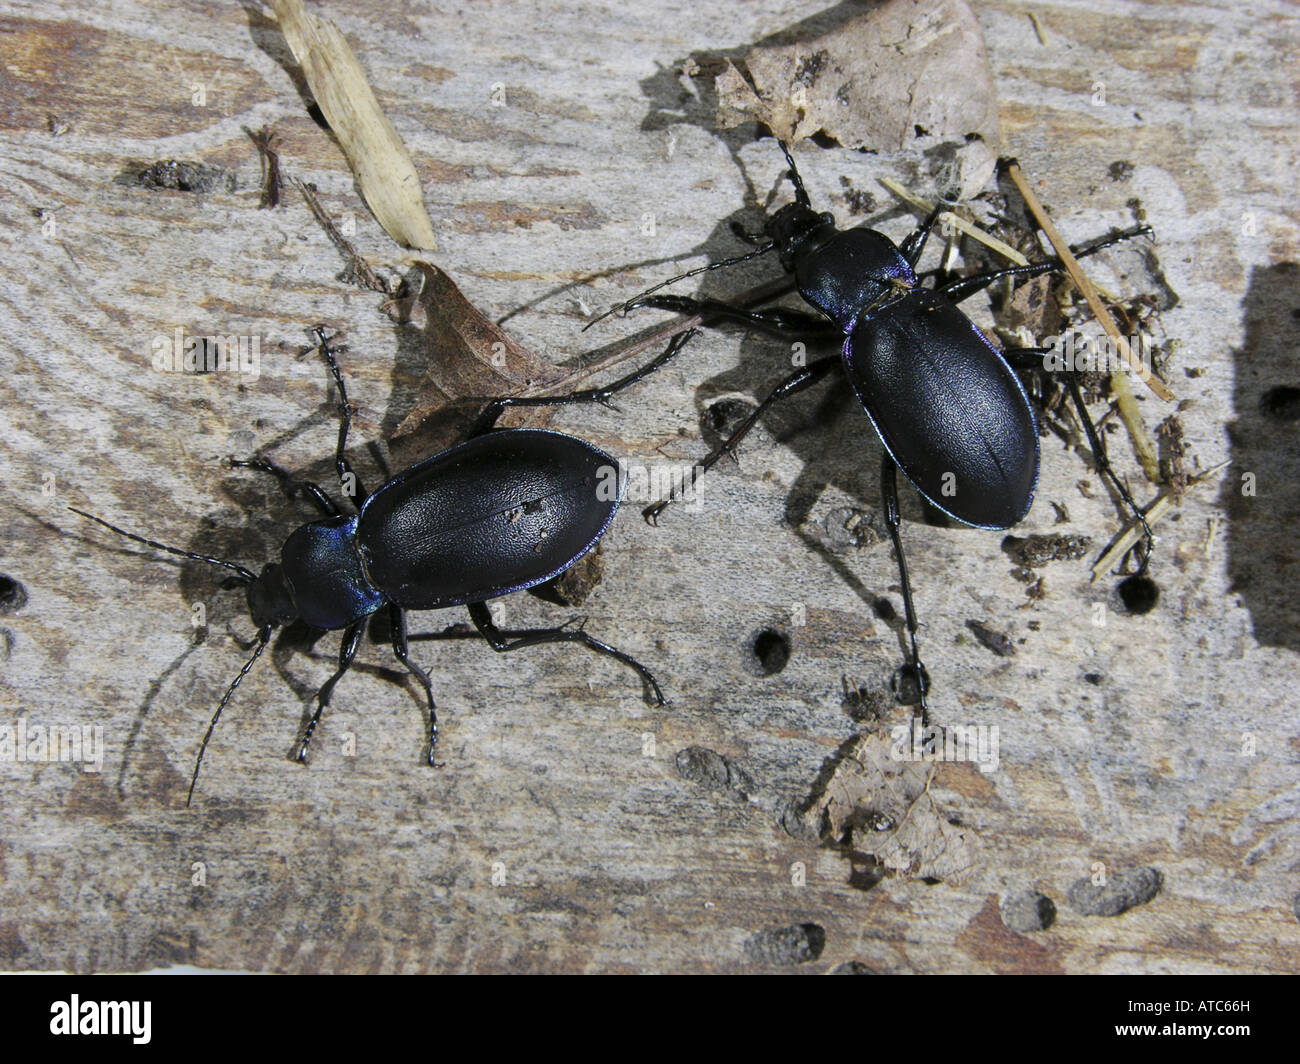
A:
(874, 81)
(873, 803)
(469, 360)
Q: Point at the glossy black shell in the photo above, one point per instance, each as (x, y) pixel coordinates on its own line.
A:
(498, 513)
(323, 575)
(948, 408)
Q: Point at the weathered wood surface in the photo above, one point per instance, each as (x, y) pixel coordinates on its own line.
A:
(559, 777)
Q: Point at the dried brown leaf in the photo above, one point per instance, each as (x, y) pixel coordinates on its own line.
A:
(925, 845)
(875, 803)
(469, 361)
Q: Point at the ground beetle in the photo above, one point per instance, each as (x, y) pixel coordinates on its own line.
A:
(502, 511)
(948, 406)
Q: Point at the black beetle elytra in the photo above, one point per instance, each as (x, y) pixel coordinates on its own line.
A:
(500, 512)
(946, 403)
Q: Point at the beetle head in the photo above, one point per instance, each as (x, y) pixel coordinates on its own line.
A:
(797, 228)
(269, 599)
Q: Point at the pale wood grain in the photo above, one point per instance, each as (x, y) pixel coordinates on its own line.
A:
(614, 860)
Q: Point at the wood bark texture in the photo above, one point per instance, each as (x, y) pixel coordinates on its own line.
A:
(567, 164)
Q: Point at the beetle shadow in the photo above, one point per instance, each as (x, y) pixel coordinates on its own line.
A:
(268, 37)
(1261, 491)
(156, 686)
(837, 447)
(196, 579)
(299, 641)
(251, 541)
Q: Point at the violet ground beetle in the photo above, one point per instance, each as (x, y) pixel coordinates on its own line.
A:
(945, 402)
(500, 512)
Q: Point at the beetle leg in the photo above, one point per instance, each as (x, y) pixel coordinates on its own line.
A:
(1032, 358)
(964, 287)
(777, 321)
(291, 485)
(501, 642)
(1103, 464)
(627, 305)
(397, 620)
(1082, 251)
(347, 651)
(800, 193)
(341, 462)
(497, 407)
(913, 670)
(796, 382)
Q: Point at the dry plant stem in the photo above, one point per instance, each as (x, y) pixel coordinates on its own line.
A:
(1094, 301)
(1143, 446)
(273, 182)
(378, 157)
(1132, 533)
(972, 231)
(1039, 32)
(360, 268)
(1165, 502)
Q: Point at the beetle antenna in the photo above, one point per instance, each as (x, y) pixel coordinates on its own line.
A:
(244, 574)
(263, 637)
(635, 301)
(800, 193)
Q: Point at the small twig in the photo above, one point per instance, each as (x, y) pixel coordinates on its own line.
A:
(359, 267)
(958, 222)
(272, 181)
(1038, 28)
(1099, 308)
(1125, 401)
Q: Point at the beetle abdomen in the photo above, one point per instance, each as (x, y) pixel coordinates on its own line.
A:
(949, 409)
(496, 514)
